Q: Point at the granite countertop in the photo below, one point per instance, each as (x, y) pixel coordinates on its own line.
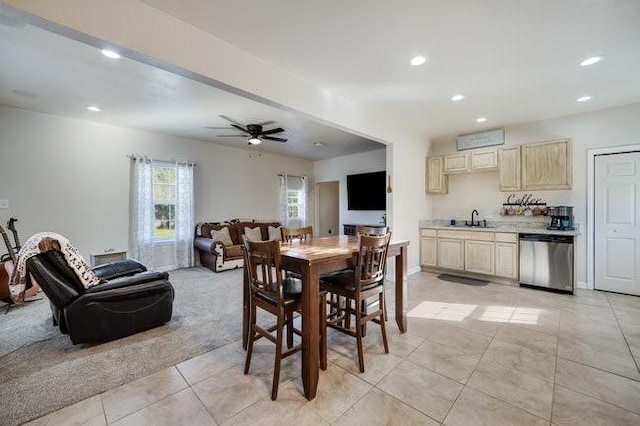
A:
(519, 227)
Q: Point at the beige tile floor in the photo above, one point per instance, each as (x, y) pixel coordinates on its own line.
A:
(491, 355)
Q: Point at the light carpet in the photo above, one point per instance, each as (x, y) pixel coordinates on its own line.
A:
(41, 371)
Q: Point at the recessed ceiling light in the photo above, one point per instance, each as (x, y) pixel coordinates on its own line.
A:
(590, 61)
(318, 143)
(481, 119)
(457, 97)
(583, 99)
(418, 60)
(110, 54)
(93, 108)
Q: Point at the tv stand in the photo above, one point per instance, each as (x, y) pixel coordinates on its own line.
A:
(350, 229)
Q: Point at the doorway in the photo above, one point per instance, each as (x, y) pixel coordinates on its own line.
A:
(328, 208)
(616, 217)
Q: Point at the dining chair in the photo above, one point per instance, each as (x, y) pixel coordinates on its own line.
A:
(279, 295)
(356, 285)
(302, 233)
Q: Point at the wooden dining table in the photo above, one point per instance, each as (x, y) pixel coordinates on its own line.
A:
(310, 259)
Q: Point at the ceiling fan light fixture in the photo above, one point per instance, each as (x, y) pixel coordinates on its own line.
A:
(254, 140)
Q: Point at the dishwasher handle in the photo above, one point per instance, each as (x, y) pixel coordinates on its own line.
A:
(547, 238)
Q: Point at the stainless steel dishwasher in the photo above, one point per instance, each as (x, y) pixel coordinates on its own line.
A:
(546, 261)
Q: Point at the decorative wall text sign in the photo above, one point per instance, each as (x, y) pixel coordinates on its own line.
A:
(525, 200)
(477, 140)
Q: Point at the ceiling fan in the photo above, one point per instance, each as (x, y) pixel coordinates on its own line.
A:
(254, 132)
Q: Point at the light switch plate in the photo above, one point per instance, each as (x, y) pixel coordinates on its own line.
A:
(4, 204)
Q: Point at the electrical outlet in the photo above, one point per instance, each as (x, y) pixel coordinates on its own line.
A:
(4, 204)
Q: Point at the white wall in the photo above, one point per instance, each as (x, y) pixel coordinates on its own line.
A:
(605, 128)
(337, 169)
(72, 177)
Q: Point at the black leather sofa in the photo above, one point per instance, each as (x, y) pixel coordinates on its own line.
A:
(129, 300)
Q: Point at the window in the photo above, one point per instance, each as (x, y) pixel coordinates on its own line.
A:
(164, 201)
(294, 206)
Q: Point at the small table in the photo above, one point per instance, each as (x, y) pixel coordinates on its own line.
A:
(99, 258)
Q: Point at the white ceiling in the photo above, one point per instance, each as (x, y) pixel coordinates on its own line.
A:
(514, 61)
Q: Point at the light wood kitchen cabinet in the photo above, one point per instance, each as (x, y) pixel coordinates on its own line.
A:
(437, 181)
(546, 165)
(478, 256)
(428, 248)
(483, 160)
(451, 254)
(506, 255)
(477, 252)
(509, 169)
(456, 163)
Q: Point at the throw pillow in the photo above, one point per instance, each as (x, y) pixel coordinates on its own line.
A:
(275, 233)
(253, 234)
(222, 235)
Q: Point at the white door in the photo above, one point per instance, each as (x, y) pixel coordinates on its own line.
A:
(616, 219)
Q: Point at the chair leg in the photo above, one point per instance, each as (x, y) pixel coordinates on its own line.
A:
(359, 326)
(276, 367)
(383, 319)
(289, 323)
(252, 335)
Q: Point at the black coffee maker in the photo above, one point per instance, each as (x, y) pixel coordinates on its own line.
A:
(561, 218)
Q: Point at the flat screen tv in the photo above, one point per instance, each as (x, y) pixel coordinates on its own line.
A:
(366, 191)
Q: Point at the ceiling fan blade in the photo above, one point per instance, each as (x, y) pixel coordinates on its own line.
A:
(272, 138)
(266, 123)
(276, 130)
(231, 120)
(240, 128)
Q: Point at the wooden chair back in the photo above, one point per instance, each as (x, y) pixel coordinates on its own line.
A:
(371, 231)
(302, 234)
(372, 258)
(263, 263)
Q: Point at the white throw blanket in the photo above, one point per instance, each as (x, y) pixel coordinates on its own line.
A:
(40, 243)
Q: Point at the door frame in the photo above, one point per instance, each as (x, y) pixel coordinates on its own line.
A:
(591, 206)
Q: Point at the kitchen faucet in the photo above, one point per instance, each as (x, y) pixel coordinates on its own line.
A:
(476, 213)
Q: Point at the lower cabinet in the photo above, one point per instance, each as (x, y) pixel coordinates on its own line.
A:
(479, 252)
(478, 257)
(506, 255)
(451, 254)
(428, 248)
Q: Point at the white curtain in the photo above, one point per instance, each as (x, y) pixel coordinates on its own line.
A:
(284, 216)
(141, 236)
(295, 183)
(185, 214)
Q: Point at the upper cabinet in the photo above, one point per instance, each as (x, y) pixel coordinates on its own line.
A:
(509, 170)
(456, 163)
(546, 165)
(437, 181)
(483, 160)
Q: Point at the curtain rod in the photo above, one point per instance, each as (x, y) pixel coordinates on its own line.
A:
(285, 174)
(172, 160)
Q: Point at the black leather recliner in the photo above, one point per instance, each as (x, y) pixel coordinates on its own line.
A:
(131, 299)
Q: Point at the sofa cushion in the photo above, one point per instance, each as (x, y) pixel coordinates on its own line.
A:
(233, 252)
(253, 234)
(275, 233)
(222, 235)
